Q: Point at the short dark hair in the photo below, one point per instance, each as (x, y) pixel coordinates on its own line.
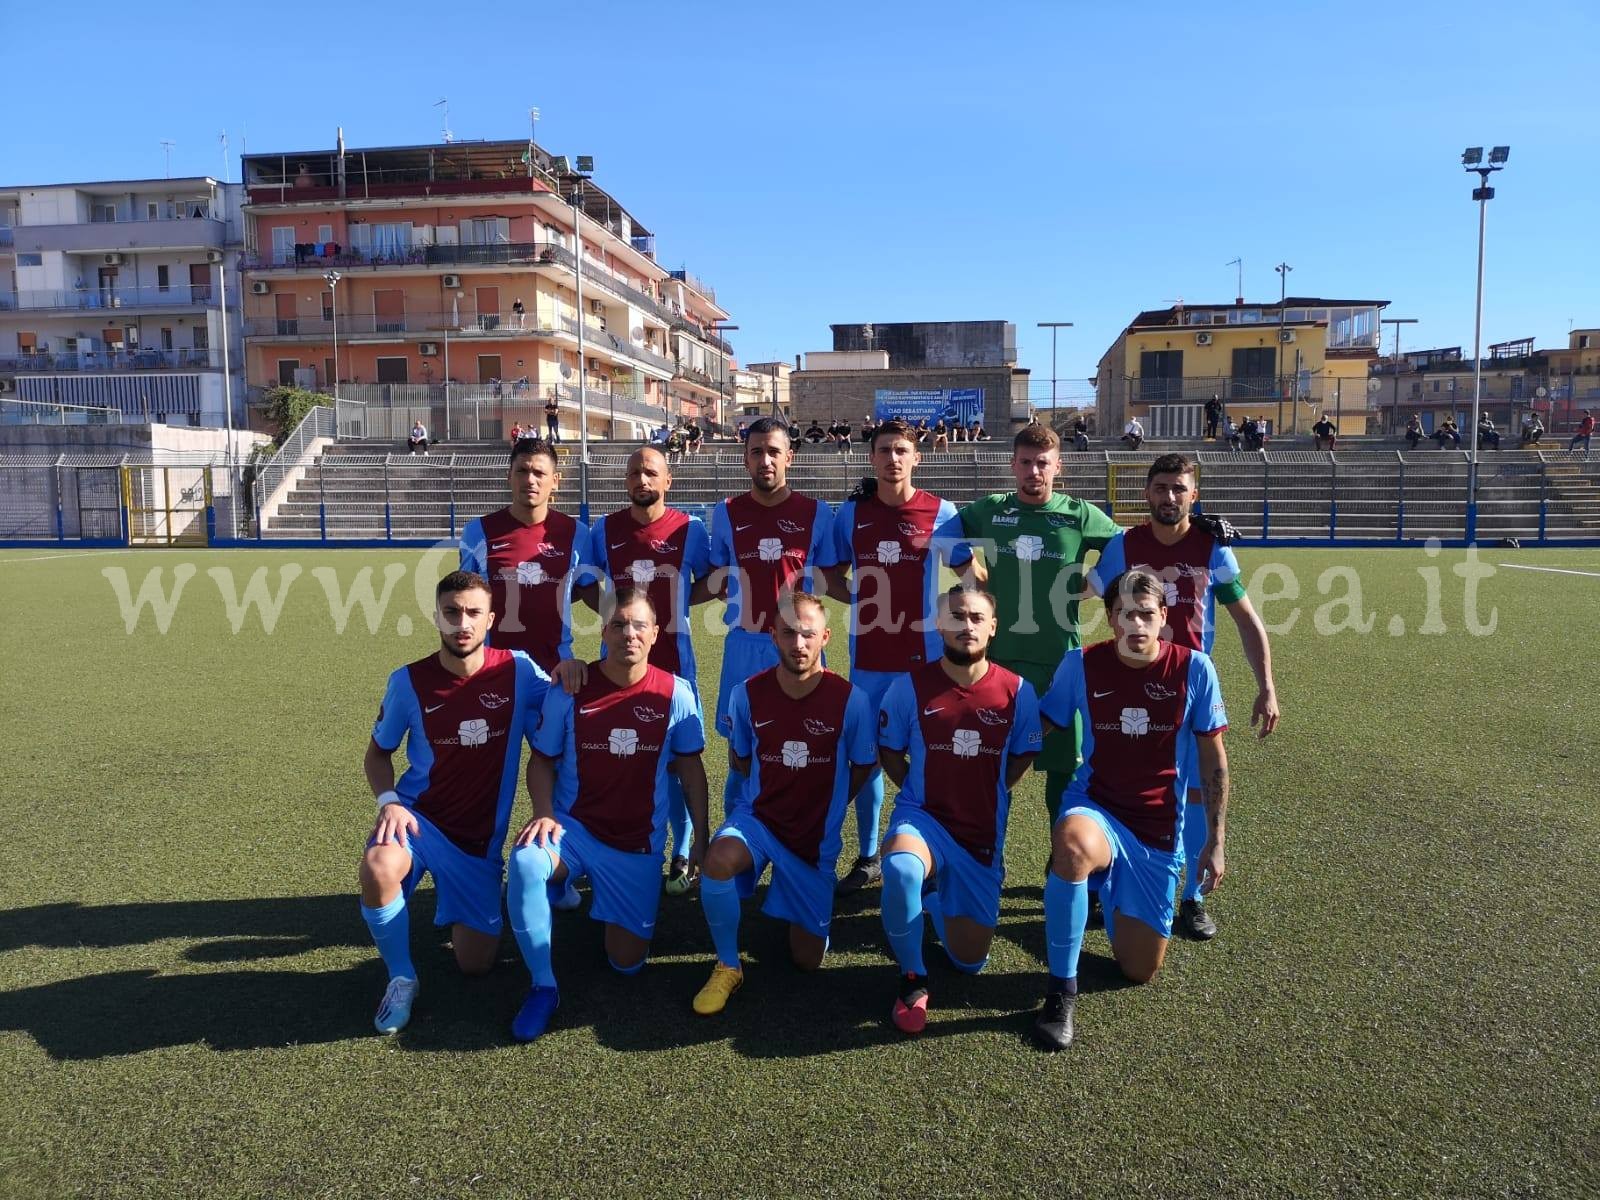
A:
(768, 425)
(461, 581)
(1036, 437)
(537, 447)
(967, 591)
(1170, 464)
(893, 427)
(1134, 583)
(625, 595)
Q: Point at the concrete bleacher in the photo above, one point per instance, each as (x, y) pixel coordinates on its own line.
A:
(1369, 489)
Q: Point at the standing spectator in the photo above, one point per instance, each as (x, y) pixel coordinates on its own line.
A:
(418, 439)
(1080, 434)
(941, 436)
(1133, 433)
(552, 417)
(743, 431)
(1585, 433)
(1230, 430)
(1324, 433)
(1532, 429)
(1487, 433)
(867, 426)
(1213, 416)
(1413, 431)
(518, 313)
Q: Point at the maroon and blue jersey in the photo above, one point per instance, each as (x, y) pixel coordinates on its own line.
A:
(800, 753)
(769, 549)
(894, 555)
(1133, 717)
(463, 741)
(531, 570)
(612, 746)
(959, 741)
(1195, 572)
(664, 558)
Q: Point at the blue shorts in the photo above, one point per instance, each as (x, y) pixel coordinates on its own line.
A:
(1141, 882)
(744, 654)
(800, 893)
(876, 685)
(468, 887)
(966, 887)
(627, 887)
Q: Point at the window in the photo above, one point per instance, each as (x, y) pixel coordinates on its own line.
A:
(1583, 341)
(485, 231)
(30, 260)
(166, 339)
(163, 277)
(152, 211)
(327, 306)
(324, 233)
(283, 244)
(286, 369)
(390, 239)
(102, 213)
(202, 338)
(391, 370)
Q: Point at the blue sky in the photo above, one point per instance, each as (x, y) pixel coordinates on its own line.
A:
(833, 162)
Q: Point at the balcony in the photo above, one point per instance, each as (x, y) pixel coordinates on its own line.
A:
(194, 233)
(702, 379)
(686, 324)
(176, 297)
(112, 361)
(7, 238)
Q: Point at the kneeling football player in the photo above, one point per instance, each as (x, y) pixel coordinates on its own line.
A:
(598, 781)
(802, 738)
(955, 736)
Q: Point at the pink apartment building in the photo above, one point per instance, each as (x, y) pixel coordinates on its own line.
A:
(448, 272)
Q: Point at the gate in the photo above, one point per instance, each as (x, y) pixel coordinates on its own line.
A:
(166, 506)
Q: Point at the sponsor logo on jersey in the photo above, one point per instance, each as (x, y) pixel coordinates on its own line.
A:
(647, 715)
(531, 574)
(1135, 721)
(428, 709)
(662, 546)
(818, 728)
(1104, 694)
(1170, 594)
(965, 743)
(788, 526)
(1007, 518)
(498, 545)
(991, 716)
(493, 700)
(643, 571)
(1062, 521)
(796, 754)
(549, 550)
(1028, 547)
(769, 549)
(910, 530)
(1157, 692)
(474, 732)
(888, 553)
(624, 743)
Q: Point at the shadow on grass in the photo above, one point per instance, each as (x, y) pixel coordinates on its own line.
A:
(781, 1012)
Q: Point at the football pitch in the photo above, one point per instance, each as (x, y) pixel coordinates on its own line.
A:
(1403, 1000)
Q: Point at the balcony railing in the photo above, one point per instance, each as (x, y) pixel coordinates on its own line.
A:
(680, 320)
(72, 299)
(99, 362)
(704, 378)
(6, 236)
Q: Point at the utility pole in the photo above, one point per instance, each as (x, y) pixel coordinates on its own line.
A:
(1472, 160)
(1054, 327)
(1283, 270)
(1394, 410)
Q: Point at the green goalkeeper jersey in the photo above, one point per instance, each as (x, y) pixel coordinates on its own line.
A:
(1035, 553)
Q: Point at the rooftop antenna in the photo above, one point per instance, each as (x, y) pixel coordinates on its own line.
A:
(1238, 297)
(533, 126)
(445, 134)
(167, 146)
(223, 138)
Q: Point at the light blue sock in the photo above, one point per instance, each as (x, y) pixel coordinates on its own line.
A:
(934, 907)
(902, 910)
(1196, 828)
(622, 970)
(1066, 916)
(732, 790)
(719, 900)
(391, 933)
(678, 817)
(967, 968)
(528, 904)
(869, 806)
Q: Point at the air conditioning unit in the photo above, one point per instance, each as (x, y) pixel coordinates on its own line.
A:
(111, 260)
(1202, 339)
(428, 349)
(260, 287)
(213, 255)
(7, 386)
(452, 281)
(1286, 335)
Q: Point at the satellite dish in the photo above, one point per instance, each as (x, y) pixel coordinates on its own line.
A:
(1373, 385)
(566, 370)
(637, 333)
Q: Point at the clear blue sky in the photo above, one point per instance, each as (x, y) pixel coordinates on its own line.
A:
(827, 162)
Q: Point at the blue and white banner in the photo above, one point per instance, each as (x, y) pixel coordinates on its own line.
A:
(952, 405)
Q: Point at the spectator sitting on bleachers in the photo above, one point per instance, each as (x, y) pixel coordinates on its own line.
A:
(941, 436)
(1230, 430)
(815, 434)
(1488, 435)
(677, 443)
(515, 435)
(1584, 434)
(1133, 433)
(977, 433)
(1413, 431)
(418, 439)
(1532, 429)
(1324, 433)
(1254, 434)
(839, 435)
(1080, 434)
(694, 434)
(1448, 435)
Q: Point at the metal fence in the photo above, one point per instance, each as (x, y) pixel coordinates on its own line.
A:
(44, 412)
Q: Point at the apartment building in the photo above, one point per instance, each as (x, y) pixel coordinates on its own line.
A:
(427, 274)
(112, 296)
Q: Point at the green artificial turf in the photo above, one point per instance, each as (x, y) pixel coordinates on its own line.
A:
(1403, 1000)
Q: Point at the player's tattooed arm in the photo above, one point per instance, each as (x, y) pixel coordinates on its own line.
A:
(894, 765)
(1214, 785)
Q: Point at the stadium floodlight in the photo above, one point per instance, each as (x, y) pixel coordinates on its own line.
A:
(1472, 160)
(1499, 154)
(1472, 156)
(585, 164)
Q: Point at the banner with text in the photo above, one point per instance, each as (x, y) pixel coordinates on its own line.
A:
(953, 406)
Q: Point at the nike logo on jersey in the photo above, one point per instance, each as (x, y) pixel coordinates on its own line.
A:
(618, 545)
(928, 712)
(594, 708)
(741, 528)
(764, 724)
(434, 709)
(1102, 695)
(498, 545)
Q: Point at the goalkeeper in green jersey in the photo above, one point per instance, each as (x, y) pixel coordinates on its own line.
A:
(1033, 542)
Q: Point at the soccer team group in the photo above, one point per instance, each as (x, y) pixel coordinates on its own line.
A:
(953, 694)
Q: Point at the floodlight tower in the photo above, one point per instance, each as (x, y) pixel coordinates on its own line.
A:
(1472, 160)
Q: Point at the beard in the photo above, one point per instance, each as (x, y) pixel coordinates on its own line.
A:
(962, 658)
(1159, 518)
(644, 499)
(451, 648)
(761, 485)
(787, 664)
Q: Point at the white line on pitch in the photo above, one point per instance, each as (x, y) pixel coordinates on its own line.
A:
(47, 557)
(1551, 570)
